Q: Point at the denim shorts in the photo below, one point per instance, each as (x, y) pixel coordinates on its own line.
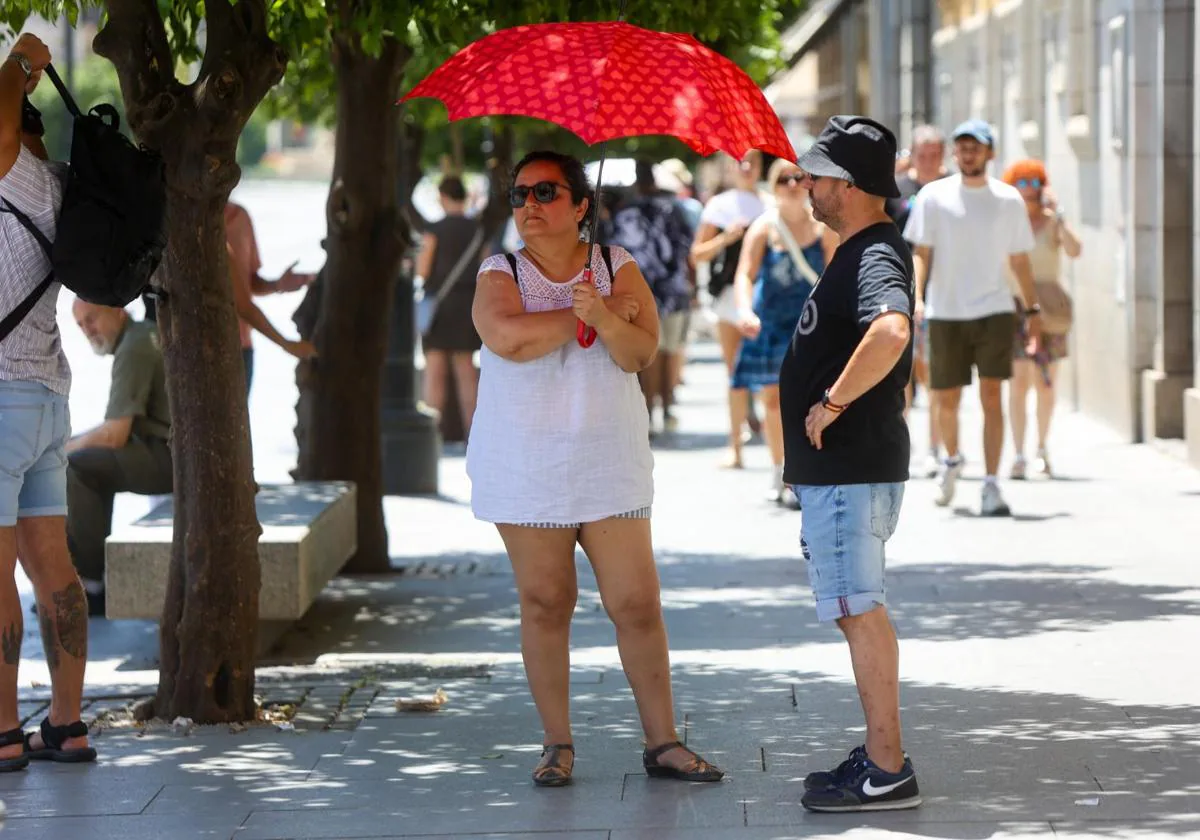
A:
(35, 423)
(843, 531)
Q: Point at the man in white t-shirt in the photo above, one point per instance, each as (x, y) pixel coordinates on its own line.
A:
(977, 226)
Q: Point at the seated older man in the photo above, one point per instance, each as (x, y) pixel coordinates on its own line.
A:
(129, 451)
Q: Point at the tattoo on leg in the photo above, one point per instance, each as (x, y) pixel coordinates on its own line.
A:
(49, 637)
(10, 641)
(71, 612)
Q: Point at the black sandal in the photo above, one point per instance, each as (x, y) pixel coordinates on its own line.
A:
(12, 738)
(698, 771)
(53, 738)
(552, 773)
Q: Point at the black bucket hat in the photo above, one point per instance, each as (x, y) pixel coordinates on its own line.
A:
(855, 149)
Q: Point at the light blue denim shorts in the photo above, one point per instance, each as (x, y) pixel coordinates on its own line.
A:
(843, 531)
(35, 424)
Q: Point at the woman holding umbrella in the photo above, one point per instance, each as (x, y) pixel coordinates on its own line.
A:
(559, 454)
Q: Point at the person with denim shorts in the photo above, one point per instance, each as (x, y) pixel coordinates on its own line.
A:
(846, 444)
(34, 426)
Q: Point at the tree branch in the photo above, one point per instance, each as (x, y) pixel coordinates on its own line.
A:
(233, 75)
(134, 39)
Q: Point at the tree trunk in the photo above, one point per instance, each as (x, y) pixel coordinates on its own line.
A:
(342, 426)
(210, 619)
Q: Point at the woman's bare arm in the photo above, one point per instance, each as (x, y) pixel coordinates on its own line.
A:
(632, 344)
(508, 330)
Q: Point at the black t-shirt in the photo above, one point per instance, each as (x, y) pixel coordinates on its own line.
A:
(899, 208)
(871, 273)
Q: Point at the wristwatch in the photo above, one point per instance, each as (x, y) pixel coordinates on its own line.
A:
(832, 406)
(23, 63)
(1036, 309)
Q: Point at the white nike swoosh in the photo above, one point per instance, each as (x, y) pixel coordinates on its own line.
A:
(870, 789)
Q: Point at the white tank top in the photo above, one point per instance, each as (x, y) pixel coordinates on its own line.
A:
(563, 438)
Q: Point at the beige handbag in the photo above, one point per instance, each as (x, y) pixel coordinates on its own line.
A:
(1057, 307)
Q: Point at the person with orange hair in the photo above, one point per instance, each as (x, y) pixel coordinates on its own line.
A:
(1039, 369)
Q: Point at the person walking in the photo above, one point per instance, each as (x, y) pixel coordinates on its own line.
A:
(723, 223)
(35, 423)
(785, 251)
(925, 164)
(1052, 237)
(651, 226)
(450, 341)
(973, 228)
(846, 443)
(560, 455)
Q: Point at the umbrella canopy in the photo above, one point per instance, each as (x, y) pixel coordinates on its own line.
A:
(608, 80)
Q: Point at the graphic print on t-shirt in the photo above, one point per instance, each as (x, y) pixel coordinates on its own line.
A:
(808, 318)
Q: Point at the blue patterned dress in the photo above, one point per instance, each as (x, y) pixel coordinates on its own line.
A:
(780, 291)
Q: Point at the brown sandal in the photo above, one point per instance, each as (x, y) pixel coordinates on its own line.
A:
(553, 773)
(698, 770)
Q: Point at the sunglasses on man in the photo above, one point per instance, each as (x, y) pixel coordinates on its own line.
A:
(1029, 183)
(544, 192)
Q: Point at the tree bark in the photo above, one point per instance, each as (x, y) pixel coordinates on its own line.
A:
(209, 623)
(341, 423)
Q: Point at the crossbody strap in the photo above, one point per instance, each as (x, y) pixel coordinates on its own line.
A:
(14, 318)
(793, 248)
(460, 266)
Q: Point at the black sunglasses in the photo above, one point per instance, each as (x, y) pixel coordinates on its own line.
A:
(544, 192)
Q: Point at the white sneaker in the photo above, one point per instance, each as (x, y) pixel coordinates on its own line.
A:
(931, 466)
(1018, 469)
(1043, 464)
(776, 492)
(950, 474)
(992, 503)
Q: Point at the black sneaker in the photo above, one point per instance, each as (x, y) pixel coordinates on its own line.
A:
(862, 786)
(828, 778)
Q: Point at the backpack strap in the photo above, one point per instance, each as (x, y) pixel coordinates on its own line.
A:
(27, 223)
(606, 255)
(512, 263)
(14, 318)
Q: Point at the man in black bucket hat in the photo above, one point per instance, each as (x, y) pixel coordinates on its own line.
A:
(846, 442)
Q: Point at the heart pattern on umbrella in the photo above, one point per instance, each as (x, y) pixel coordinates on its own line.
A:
(608, 80)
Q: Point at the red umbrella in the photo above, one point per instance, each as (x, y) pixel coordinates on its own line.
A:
(608, 80)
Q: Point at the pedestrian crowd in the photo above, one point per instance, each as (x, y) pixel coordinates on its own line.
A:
(854, 281)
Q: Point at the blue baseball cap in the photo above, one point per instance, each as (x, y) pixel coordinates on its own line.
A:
(976, 130)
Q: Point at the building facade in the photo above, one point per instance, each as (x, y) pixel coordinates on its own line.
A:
(1107, 99)
(857, 57)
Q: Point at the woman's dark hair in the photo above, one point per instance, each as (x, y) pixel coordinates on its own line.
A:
(573, 175)
(452, 187)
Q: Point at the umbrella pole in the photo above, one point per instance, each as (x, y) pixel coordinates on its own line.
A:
(585, 335)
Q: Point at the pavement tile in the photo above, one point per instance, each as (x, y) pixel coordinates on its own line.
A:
(79, 800)
(220, 826)
(847, 827)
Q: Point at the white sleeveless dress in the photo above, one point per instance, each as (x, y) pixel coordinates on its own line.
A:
(564, 439)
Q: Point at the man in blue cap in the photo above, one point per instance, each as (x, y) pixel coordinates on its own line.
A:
(846, 445)
(979, 230)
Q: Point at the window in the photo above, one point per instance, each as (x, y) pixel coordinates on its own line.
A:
(1118, 80)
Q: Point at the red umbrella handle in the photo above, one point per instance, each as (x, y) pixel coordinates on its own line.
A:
(585, 335)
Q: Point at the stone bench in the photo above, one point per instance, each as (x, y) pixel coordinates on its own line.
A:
(309, 531)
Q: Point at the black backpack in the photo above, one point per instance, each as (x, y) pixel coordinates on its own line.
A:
(112, 225)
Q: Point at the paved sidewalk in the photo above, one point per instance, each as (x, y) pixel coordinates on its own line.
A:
(1048, 662)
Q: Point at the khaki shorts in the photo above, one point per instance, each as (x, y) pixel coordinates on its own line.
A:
(957, 346)
(672, 332)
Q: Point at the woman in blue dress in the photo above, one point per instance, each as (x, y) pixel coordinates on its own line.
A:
(785, 251)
